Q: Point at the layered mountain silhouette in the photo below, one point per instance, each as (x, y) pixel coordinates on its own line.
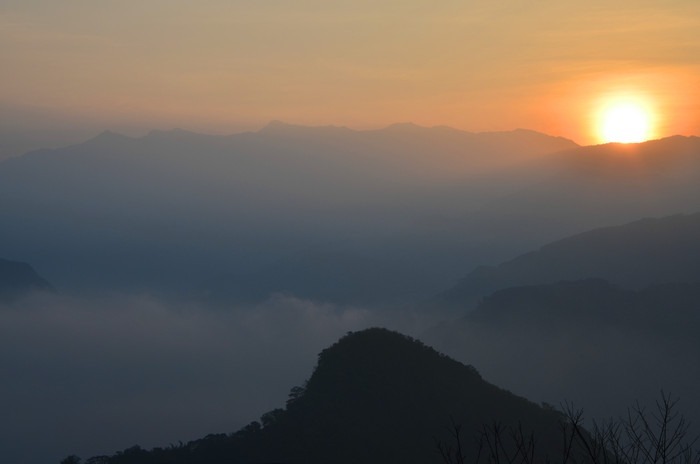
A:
(375, 396)
(375, 217)
(597, 317)
(587, 341)
(595, 186)
(661, 310)
(595, 181)
(201, 215)
(644, 252)
(667, 158)
(19, 279)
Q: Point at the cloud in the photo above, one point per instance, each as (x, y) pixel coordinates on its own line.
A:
(91, 376)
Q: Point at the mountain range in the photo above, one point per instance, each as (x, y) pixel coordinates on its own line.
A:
(340, 226)
(201, 215)
(633, 255)
(595, 318)
(379, 217)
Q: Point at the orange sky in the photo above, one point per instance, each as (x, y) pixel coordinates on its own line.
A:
(228, 65)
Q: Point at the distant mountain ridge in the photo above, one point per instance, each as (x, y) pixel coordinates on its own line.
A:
(624, 159)
(179, 211)
(376, 396)
(18, 279)
(644, 252)
(599, 185)
(408, 128)
(446, 144)
(374, 217)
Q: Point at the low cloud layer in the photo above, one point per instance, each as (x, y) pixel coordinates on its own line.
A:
(94, 376)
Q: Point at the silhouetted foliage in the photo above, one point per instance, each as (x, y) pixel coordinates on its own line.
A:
(270, 418)
(72, 459)
(98, 460)
(294, 394)
(641, 437)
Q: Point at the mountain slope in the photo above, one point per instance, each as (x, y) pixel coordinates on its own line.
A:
(175, 211)
(588, 341)
(18, 279)
(380, 217)
(632, 255)
(375, 396)
(660, 310)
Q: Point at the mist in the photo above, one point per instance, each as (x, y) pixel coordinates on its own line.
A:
(92, 376)
(199, 276)
(177, 212)
(197, 198)
(379, 217)
(589, 344)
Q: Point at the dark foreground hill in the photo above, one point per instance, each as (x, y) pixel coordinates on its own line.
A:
(376, 396)
(18, 279)
(645, 252)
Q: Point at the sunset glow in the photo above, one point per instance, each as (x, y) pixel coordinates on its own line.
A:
(625, 122)
(69, 70)
(205, 203)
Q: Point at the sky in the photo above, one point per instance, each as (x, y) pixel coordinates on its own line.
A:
(73, 68)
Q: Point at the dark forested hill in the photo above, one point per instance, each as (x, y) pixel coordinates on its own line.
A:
(18, 279)
(376, 396)
(633, 255)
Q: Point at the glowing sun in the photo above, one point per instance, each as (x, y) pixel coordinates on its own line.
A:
(625, 122)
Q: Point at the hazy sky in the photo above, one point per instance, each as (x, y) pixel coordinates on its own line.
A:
(77, 67)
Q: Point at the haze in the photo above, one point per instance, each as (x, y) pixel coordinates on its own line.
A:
(72, 69)
(197, 198)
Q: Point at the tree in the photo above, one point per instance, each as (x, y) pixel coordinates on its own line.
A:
(72, 459)
(659, 436)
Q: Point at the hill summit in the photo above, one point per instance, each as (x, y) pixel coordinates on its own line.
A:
(376, 396)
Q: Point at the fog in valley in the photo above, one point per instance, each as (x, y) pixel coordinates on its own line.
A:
(254, 232)
(181, 284)
(94, 375)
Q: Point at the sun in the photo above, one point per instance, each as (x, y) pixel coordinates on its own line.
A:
(625, 121)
